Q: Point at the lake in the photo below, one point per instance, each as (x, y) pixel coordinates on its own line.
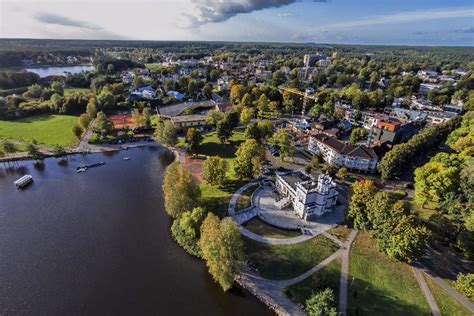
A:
(58, 70)
(98, 243)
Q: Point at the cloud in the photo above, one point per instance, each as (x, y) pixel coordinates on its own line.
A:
(56, 19)
(404, 17)
(284, 15)
(214, 11)
(467, 30)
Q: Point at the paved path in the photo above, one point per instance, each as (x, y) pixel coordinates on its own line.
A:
(272, 292)
(455, 294)
(426, 291)
(343, 288)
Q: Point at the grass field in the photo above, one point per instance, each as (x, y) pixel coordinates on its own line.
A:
(47, 129)
(447, 305)
(261, 228)
(243, 201)
(340, 232)
(76, 90)
(379, 285)
(280, 262)
(213, 198)
(329, 277)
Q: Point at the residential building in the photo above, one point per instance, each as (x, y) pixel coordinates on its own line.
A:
(177, 95)
(393, 131)
(438, 117)
(143, 93)
(310, 60)
(310, 198)
(339, 154)
(183, 122)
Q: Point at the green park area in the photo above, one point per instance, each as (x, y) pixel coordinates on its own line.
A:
(328, 277)
(261, 228)
(46, 129)
(379, 285)
(216, 199)
(447, 304)
(280, 262)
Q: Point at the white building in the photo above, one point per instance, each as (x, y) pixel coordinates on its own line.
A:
(339, 154)
(309, 198)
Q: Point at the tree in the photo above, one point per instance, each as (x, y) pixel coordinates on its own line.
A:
(236, 93)
(180, 189)
(137, 118)
(57, 87)
(110, 68)
(262, 105)
(222, 248)
(247, 100)
(281, 139)
(434, 180)
(465, 284)
(252, 131)
(102, 125)
(322, 304)
(32, 150)
(278, 78)
(166, 134)
(249, 158)
(138, 82)
(246, 115)
(214, 170)
(361, 192)
(194, 139)
(77, 130)
(91, 109)
(342, 173)
(213, 117)
(207, 90)
(356, 135)
(224, 130)
(34, 91)
(266, 128)
(186, 230)
(146, 118)
(84, 120)
(56, 102)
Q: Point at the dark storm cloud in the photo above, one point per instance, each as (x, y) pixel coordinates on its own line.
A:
(56, 19)
(212, 11)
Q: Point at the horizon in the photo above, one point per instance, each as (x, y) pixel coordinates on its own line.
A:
(338, 22)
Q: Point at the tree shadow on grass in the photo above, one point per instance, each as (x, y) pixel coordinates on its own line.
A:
(223, 150)
(365, 299)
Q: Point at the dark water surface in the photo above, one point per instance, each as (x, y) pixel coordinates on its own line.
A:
(98, 243)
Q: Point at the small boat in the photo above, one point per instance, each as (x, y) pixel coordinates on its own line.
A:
(126, 158)
(23, 181)
(83, 168)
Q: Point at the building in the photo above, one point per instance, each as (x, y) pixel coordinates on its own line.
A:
(142, 93)
(177, 95)
(393, 131)
(310, 60)
(309, 197)
(438, 117)
(339, 154)
(183, 122)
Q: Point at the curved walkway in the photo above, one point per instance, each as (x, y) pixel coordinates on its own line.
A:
(272, 292)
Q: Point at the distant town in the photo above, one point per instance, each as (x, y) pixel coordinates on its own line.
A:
(322, 179)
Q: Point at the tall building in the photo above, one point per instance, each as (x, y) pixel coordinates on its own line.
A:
(310, 60)
(309, 197)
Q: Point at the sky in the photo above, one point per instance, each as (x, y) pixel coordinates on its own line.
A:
(390, 22)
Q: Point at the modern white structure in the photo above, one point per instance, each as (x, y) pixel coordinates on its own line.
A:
(309, 197)
(339, 154)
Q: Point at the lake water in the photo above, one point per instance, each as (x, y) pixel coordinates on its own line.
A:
(58, 70)
(98, 243)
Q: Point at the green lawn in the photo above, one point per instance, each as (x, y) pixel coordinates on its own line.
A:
(261, 228)
(447, 305)
(329, 277)
(341, 232)
(47, 129)
(379, 285)
(216, 199)
(426, 212)
(244, 199)
(280, 262)
(76, 90)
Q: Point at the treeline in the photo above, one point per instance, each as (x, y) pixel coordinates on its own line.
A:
(16, 79)
(399, 234)
(396, 161)
(447, 181)
(102, 64)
